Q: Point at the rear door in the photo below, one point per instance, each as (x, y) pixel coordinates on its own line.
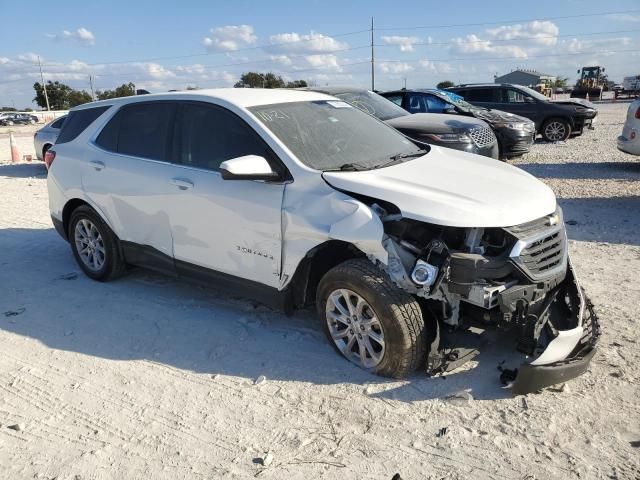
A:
(518, 102)
(230, 226)
(487, 97)
(126, 173)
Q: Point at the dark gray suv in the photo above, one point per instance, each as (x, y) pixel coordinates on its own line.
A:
(555, 120)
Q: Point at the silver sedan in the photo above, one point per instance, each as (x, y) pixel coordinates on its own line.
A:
(46, 136)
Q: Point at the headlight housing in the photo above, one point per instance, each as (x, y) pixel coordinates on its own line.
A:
(449, 137)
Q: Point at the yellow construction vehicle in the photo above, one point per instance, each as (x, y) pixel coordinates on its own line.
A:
(591, 83)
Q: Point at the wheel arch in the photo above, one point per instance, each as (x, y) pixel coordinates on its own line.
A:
(68, 209)
(318, 261)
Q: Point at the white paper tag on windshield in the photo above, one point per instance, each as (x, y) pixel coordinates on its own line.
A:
(339, 104)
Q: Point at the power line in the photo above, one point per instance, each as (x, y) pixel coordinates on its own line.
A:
(344, 34)
(466, 59)
(507, 22)
(533, 37)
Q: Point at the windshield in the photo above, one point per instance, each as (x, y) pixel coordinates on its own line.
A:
(533, 93)
(373, 104)
(456, 99)
(330, 134)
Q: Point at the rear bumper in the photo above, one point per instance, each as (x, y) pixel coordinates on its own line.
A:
(59, 226)
(629, 146)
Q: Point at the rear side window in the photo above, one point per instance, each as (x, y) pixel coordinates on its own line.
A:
(209, 135)
(58, 123)
(78, 121)
(395, 98)
(479, 95)
(139, 130)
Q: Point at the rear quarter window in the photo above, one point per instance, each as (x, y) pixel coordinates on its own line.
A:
(78, 121)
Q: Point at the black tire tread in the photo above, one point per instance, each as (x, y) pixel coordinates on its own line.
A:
(405, 308)
(116, 267)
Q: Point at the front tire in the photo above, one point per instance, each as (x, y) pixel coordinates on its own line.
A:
(370, 321)
(94, 245)
(556, 130)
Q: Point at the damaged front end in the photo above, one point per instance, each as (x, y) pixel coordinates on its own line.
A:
(517, 278)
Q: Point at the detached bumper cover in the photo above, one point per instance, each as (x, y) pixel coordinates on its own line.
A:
(532, 378)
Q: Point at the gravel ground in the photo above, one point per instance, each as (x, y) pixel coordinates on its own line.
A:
(146, 377)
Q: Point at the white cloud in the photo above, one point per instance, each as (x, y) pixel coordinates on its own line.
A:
(311, 43)
(229, 38)
(395, 67)
(536, 32)
(474, 45)
(436, 67)
(624, 17)
(325, 62)
(82, 35)
(405, 43)
(281, 59)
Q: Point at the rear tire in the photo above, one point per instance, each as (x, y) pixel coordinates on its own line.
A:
(359, 307)
(94, 245)
(556, 130)
(45, 149)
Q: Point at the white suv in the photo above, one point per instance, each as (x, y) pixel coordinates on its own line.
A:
(300, 199)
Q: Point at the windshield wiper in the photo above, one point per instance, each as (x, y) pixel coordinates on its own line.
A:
(401, 156)
(347, 167)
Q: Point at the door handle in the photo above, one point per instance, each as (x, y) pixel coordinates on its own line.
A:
(182, 183)
(98, 165)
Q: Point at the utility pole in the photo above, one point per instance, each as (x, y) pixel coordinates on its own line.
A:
(44, 87)
(373, 74)
(93, 96)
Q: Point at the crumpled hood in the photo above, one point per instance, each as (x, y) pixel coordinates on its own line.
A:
(576, 101)
(498, 116)
(434, 123)
(452, 188)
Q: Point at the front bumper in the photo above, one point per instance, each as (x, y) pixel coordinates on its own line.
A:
(489, 151)
(515, 142)
(560, 361)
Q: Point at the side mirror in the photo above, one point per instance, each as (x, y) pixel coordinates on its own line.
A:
(529, 100)
(249, 167)
(450, 109)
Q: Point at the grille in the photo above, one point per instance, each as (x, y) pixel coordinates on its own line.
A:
(482, 136)
(543, 256)
(541, 249)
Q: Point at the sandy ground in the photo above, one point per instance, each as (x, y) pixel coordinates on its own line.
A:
(146, 377)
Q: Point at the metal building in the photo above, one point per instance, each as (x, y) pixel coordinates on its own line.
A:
(525, 77)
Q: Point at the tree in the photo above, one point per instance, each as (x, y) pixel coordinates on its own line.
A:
(78, 97)
(58, 94)
(266, 80)
(124, 90)
(445, 84)
(560, 82)
(297, 84)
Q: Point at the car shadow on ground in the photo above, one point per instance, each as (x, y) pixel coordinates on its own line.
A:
(576, 170)
(602, 219)
(150, 317)
(23, 170)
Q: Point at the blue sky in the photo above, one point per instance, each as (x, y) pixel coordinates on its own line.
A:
(163, 45)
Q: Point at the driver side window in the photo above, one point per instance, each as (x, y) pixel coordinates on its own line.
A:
(514, 96)
(435, 104)
(209, 135)
(416, 104)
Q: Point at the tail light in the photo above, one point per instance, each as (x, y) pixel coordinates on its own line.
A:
(49, 157)
(638, 113)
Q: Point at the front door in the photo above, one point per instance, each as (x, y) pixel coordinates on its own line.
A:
(231, 226)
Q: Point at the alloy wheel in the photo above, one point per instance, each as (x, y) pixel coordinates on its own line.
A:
(89, 245)
(355, 328)
(555, 131)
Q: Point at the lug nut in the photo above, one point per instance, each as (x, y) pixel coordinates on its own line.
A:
(359, 336)
(351, 332)
(362, 327)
